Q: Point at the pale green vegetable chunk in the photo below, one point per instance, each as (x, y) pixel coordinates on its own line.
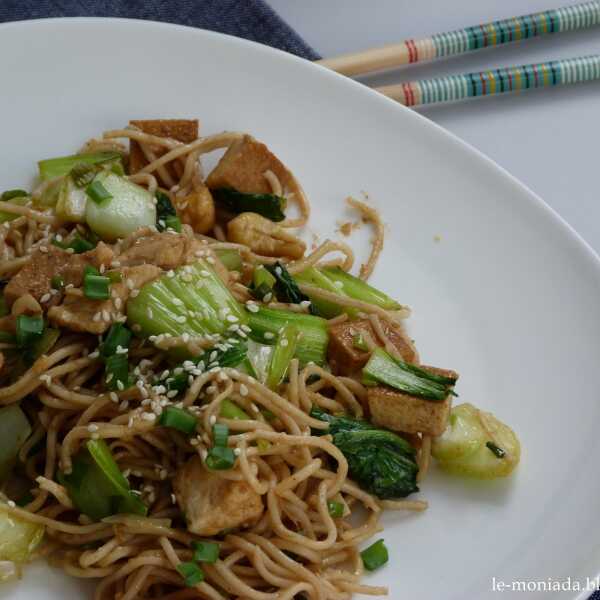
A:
(18, 538)
(476, 444)
(130, 208)
(71, 202)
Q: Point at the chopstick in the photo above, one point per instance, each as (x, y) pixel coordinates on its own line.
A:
(497, 33)
(496, 81)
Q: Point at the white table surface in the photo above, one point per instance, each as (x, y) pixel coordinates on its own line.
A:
(549, 139)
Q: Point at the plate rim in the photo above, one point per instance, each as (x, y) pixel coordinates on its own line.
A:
(472, 154)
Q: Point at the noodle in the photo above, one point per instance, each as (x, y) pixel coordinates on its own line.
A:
(371, 215)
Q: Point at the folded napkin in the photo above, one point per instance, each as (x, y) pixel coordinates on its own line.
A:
(250, 19)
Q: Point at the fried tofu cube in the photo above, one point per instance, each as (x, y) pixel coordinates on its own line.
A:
(182, 130)
(346, 359)
(210, 503)
(243, 167)
(402, 412)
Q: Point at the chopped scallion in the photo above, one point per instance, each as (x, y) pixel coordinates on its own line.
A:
(220, 458)
(207, 552)
(336, 509)
(95, 287)
(358, 341)
(117, 372)
(220, 434)
(192, 574)
(178, 418)
(28, 330)
(496, 450)
(173, 222)
(375, 556)
(229, 410)
(83, 174)
(97, 192)
(118, 336)
(114, 276)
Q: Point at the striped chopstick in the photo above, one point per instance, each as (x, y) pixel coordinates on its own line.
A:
(496, 81)
(568, 18)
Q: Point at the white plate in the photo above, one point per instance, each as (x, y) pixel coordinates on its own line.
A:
(508, 297)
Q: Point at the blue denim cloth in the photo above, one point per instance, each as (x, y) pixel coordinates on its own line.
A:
(251, 19)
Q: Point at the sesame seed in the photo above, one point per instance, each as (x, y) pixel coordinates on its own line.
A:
(115, 263)
(232, 319)
(305, 303)
(102, 268)
(45, 297)
(254, 407)
(269, 335)
(170, 273)
(172, 394)
(105, 316)
(118, 303)
(243, 390)
(114, 397)
(120, 385)
(338, 284)
(252, 307)
(204, 273)
(173, 499)
(92, 427)
(210, 260)
(212, 420)
(180, 319)
(94, 354)
(284, 343)
(268, 297)
(11, 503)
(43, 249)
(237, 451)
(97, 316)
(134, 293)
(129, 283)
(185, 337)
(149, 313)
(149, 416)
(58, 237)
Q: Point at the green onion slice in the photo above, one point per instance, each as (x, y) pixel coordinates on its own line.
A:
(375, 556)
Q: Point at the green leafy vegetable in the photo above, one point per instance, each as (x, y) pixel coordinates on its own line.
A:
(285, 348)
(230, 258)
(12, 194)
(178, 418)
(476, 444)
(311, 346)
(193, 300)
(269, 206)
(286, 288)
(96, 485)
(375, 556)
(118, 336)
(192, 574)
(409, 379)
(57, 167)
(207, 552)
(326, 308)
(18, 201)
(380, 461)
(358, 341)
(78, 244)
(358, 289)
(129, 207)
(83, 174)
(14, 430)
(18, 538)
